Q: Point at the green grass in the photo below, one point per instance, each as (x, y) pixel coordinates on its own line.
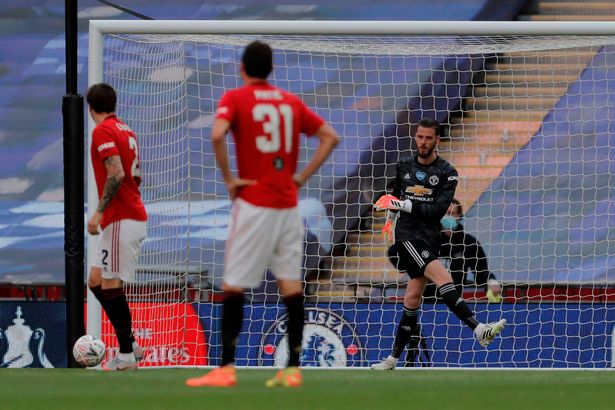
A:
(323, 389)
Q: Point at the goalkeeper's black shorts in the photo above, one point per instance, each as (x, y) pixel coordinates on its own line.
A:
(412, 256)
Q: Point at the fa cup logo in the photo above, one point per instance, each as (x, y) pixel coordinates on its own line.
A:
(19, 338)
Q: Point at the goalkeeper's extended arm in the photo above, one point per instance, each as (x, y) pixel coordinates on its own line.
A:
(393, 204)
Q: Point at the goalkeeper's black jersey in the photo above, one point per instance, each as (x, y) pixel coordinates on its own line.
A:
(431, 188)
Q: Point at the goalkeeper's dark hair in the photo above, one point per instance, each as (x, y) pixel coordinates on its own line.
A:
(257, 59)
(101, 98)
(430, 123)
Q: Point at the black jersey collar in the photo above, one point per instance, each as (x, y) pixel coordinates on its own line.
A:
(416, 159)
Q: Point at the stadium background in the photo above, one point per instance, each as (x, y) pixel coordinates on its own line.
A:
(31, 218)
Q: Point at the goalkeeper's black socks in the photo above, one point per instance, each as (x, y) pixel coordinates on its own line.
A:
(408, 326)
(457, 305)
(232, 317)
(115, 304)
(296, 319)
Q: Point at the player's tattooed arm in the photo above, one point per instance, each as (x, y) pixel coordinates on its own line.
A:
(115, 176)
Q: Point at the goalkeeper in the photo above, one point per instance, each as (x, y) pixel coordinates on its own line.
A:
(423, 189)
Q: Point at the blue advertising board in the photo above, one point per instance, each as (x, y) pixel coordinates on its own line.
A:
(539, 335)
(545, 335)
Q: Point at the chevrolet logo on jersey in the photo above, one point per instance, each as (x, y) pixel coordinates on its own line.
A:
(418, 190)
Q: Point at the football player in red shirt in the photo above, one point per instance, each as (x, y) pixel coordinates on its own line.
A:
(266, 228)
(121, 216)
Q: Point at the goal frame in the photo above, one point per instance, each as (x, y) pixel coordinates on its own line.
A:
(98, 28)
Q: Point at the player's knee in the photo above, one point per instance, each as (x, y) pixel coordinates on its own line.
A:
(95, 277)
(232, 289)
(290, 287)
(437, 273)
(412, 300)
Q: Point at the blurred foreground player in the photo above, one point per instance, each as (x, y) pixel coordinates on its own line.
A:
(266, 228)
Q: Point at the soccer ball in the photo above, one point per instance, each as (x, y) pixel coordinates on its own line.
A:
(89, 351)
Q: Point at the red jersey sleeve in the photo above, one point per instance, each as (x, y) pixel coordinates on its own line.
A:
(226, 107)
(103, 143)
(310, 121)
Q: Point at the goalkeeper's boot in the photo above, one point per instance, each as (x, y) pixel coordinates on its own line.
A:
(485, 333)
(224, 376)
(387, 364)
(118, 364)
(289, 377)
(138, 351)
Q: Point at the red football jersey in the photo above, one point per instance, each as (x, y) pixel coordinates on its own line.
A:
(266, 122)
(113, 137)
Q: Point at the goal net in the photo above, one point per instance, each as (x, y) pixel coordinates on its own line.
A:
(526, 122)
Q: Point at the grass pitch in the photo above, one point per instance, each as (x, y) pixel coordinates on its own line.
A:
(31, 389)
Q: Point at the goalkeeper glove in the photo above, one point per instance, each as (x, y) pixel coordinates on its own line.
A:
(394, 204)
(388, 232)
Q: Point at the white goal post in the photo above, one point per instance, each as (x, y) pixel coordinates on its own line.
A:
(525, 109)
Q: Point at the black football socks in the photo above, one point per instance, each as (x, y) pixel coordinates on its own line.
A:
(457, 305)
(232, 317)
(116, 306)
(295, 310)
(408, 326)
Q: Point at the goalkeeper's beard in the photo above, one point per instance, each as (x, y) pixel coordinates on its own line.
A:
(425, 154)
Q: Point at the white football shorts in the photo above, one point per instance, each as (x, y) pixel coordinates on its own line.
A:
(262, 237)
(119, 247)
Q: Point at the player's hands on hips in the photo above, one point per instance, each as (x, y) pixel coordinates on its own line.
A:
(393, 203)
(234, 186)
(388, 232)
(494, 291)
(298, 180)
(94, 222)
